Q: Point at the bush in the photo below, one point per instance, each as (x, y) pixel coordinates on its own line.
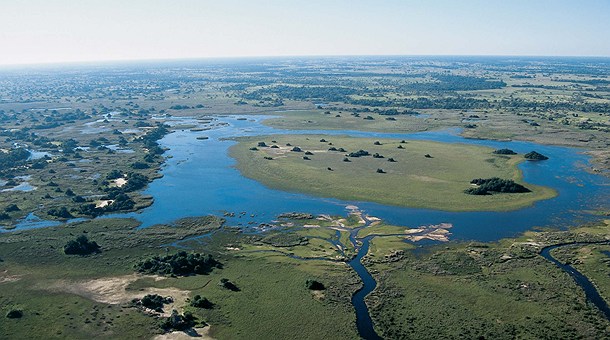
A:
(139, 165)
(201, 302)
(359, 153)
(178, 322)
(81, 246)
(11, 207)
(155, 302)
(495, 184)
(14, 314)
(225, 283)
(180, 264)
(535, 156)
(314, 285)
(504, 152)
(61, 212)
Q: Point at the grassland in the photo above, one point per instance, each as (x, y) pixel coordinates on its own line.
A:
(89, 297)
(413, 180)
(454, 290)
(500, 290)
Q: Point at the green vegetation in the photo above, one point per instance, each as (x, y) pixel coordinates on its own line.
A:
(535, 156)
(180, 264)
(56, 296)
(14, 314)
(488, 186)
(504, 152)
(155, 302)
(413, 180)
(454, 291)
(314, 285)
(81, 246)
(200, 302)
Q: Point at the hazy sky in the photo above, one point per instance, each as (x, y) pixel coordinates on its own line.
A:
(34, 31)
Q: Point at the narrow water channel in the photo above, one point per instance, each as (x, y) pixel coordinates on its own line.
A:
(363, 318)
(591, 292)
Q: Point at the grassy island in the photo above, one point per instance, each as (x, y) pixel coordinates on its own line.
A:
(420, 174)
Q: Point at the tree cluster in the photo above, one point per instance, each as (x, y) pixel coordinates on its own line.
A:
(81, 246)
(487, 185)
(179, 264)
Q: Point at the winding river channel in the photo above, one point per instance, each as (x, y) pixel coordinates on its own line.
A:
(591, 292)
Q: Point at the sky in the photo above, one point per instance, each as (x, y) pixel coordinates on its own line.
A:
(51, 31)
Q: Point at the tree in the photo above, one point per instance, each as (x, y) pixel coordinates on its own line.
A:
(314, 285)
(81, 246)
(201, 302)
(535, 156)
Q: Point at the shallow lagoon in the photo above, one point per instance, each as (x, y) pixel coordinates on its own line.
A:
(199, 179)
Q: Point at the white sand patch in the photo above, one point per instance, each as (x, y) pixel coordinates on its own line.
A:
(103, 203)
(113, 291)
(119, 182)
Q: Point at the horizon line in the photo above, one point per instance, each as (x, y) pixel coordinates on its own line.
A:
(101, 62)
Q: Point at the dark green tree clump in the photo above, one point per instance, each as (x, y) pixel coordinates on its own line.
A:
(178, 322)
(359, 153)
(180, 264)
(200, 302)
(495, 184)
(314, 285)
(14, 314)
(155, 302)
(61, 212)
(225, 283)
(81, 246)
(535, 156)
(504, 152)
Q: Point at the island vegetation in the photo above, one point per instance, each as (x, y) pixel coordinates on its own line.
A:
(409, 179)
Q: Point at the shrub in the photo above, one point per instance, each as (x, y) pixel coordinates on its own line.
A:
(155, 302)
(180, 264)
(61, 212)
(225, 283)
(14, 314)
(11, 207)
(178, 322)
(504, 152)
(535, 156)
(314, 285)
(359, 153)
(495, 184)
(81, 246)
(201, 302)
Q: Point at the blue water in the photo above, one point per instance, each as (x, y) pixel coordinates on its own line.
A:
(200, 179)
(590, 291)
(363, 318)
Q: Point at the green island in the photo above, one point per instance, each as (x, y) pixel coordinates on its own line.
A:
(298, 273)
(420, 174)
